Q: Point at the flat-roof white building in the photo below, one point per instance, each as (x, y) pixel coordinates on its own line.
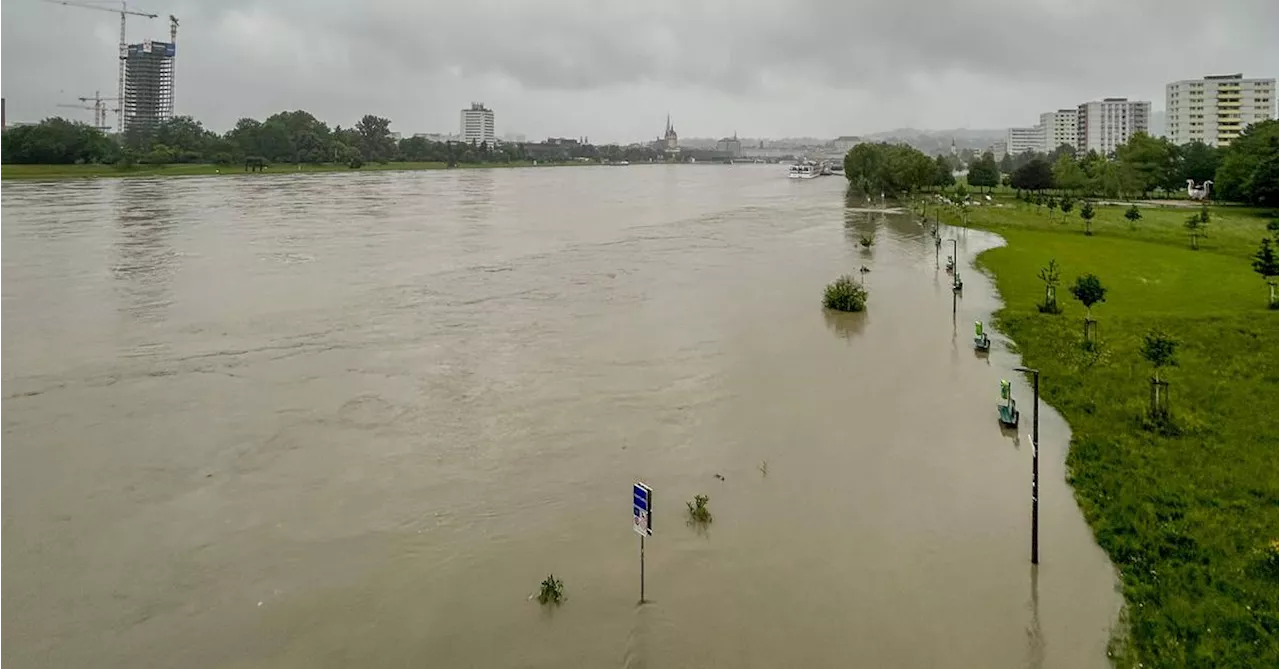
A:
(1216, 108)
(477, 125)
(1058, 128)
(1020, 140)
(1104, 124)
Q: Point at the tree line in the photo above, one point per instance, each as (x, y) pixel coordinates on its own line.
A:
(286, 137)
(1245, 171)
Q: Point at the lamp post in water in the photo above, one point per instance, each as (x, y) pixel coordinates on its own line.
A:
(956, 283)
(1035, 462)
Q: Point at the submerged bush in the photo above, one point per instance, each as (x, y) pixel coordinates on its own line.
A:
(552, 591)
(698, 511)
(845, 294)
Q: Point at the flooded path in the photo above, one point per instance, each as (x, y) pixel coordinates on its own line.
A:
(353, 420)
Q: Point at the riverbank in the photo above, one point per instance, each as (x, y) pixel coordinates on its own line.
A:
(208, 169)
(1187, 515)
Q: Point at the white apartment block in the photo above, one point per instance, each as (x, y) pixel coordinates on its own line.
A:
(1058, 127)
(1104, 124)
(477, 124)
(1020, 140)
(1216, 108)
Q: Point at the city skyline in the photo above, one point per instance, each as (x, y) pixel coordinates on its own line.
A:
(549, 70)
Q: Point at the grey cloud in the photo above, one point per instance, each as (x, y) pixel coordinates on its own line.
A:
(851, 66)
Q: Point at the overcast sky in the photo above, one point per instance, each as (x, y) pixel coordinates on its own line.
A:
(612, 70)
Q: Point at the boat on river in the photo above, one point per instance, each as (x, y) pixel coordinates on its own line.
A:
(804, 170)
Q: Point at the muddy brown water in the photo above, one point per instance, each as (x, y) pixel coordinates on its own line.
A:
(353, 420)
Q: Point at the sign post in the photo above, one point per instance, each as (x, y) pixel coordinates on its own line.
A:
(642, 521)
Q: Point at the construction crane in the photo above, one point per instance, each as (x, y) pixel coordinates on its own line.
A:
(94, 108)
(97, 108)
(124, 12)
(173, 73)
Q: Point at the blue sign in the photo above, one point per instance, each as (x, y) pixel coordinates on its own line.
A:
(642, 509)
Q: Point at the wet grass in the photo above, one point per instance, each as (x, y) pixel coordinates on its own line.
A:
(1187, 511)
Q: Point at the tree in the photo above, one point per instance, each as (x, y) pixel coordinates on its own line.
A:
(1199, 162)
(1264, 263)
(1065, 204)
(1160, 350)
(375, 138)
(1068, 175)
(984, 173)
(1060, 151)
(1150, 161)
(942, 176)
(1243, 174)
(1089, 291)
(1133, 214)
(962, 193)
(1196, 225)
(1050, 275)
(1034, 175)
(1087, 214)
(1006, 165)
(56, 141)
(1052, 203)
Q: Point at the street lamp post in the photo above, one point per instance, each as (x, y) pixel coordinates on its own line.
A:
(1035, 462)
(955, 257)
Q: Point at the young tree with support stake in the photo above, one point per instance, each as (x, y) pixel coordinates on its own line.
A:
(1160, 350)
(1133, 215)
(1050, 276)
(1065, 204)
(1089, 291)
(1264, 263)
(1087, 213)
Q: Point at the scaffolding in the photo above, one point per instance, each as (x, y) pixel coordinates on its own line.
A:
(148, 85)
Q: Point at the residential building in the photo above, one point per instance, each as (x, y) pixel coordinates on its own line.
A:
(1102, 125)
(1216, 108)
(730, 145)
(148, 85)
(1020, 140)
(998, 150)
(477, 124)
(1058, 128)
(845, 142)
(438, 136)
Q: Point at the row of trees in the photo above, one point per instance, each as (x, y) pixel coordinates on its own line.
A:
(893, 168)
(1245, 171)
(286, 137)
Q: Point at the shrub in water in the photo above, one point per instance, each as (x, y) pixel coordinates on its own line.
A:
(698, 511)
(844, 294)
(552, 591)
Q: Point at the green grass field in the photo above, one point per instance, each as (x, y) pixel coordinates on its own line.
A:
(1188, 515)
(205, 169)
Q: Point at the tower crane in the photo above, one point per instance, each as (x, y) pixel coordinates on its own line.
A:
(99, 109)
(124, 12)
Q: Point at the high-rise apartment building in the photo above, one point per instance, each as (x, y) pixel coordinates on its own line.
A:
(1104, 124)
(1216, 108)
(1020, 140)
(1058, 128)
(148, 85)
(477, 125)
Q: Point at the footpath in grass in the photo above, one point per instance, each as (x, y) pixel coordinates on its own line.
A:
(46, 172)
(1187, 511)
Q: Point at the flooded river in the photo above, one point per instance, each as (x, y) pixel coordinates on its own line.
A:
(354, 419)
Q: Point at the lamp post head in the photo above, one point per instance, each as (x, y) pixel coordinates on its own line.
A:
(1026, 369)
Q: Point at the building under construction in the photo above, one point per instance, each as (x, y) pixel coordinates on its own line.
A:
(148, 85)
